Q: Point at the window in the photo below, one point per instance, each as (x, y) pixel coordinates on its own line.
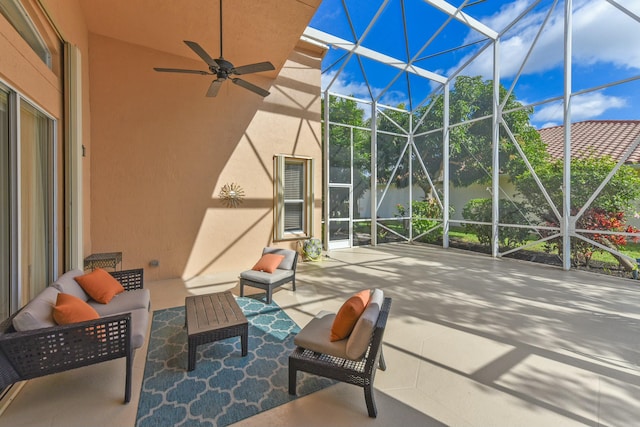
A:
(18, 17)
(293, 211)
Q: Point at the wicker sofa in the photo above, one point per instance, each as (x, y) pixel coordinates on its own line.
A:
(39, 346)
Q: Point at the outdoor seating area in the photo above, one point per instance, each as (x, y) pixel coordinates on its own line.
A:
(406, 198)
(498, 342)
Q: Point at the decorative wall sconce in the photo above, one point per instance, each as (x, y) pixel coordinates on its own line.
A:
(231, 195)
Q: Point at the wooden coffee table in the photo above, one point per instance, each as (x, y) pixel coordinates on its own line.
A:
(214, 317)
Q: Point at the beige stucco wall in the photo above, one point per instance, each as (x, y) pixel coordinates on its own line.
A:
(161, 151)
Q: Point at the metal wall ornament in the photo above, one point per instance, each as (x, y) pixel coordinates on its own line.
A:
(231, 195)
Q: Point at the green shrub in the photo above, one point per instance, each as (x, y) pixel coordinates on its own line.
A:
(421, 211)
(510, 213)
(427, 214)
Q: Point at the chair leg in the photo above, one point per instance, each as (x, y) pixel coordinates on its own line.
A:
(294, 283)
(293, 377)
(371, 404)
(127, 385)
(269, 295)
(241, 288)
(381, 363)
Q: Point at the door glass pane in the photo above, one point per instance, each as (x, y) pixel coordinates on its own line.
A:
(340, 154)
(35, 174)
(5, 248)
(339, 219)
(339, 230)
(339, 202)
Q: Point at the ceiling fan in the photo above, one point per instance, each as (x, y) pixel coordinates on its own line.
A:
(223, 69)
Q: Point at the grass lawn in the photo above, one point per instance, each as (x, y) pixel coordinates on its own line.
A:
(631, 249)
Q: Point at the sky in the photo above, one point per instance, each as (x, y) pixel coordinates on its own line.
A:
(605, 50)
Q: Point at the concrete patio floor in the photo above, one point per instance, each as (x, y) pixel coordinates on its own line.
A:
(471, 341)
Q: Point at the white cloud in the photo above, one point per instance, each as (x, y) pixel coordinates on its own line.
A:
(605, 34)
(549, 125)
(505, 16)
(345, 85)
(601, 34)
(583, 107)
(548, 113)
(594, 104)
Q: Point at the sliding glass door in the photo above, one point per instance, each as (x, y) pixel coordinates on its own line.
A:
(5, 206)
(36, 142)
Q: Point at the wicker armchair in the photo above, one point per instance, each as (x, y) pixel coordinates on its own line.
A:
(39, 352)
(285, 273)
(357, 372)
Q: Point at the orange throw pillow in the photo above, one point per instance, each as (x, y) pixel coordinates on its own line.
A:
(268, 263)
(71, 309)
(100, 285)
(348, 315)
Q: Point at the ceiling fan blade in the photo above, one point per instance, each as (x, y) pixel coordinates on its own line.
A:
(215, 87)
(253, 88)
(181, 70)
(253, 68)
(201, 53)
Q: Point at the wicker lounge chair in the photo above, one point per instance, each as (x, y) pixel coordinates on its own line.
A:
(360, 372)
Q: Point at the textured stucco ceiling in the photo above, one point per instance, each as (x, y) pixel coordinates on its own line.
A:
(253, 31)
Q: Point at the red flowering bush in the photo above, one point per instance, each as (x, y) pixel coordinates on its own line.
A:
(597, 219)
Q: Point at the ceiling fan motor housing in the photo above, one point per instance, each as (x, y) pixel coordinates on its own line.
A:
(224, 65)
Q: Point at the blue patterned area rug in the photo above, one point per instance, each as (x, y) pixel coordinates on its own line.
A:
(224, 387)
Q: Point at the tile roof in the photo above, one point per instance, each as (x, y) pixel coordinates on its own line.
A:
(601, 137)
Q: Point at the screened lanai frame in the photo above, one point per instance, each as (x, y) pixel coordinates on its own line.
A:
(567, 223)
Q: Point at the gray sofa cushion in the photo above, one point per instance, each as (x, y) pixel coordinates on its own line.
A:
(67, 284)
(38, 313)
(266, 278)
(315, 336)
(123, 303)
(139, 325)
(289, 256)
(358, 341)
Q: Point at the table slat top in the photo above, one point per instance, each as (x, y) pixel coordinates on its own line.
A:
(212, 311)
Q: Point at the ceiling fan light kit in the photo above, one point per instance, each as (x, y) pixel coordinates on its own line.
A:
(223, 69)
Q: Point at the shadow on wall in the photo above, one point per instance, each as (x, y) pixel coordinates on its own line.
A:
(157, 156)
(287, 122)
(159, 159)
